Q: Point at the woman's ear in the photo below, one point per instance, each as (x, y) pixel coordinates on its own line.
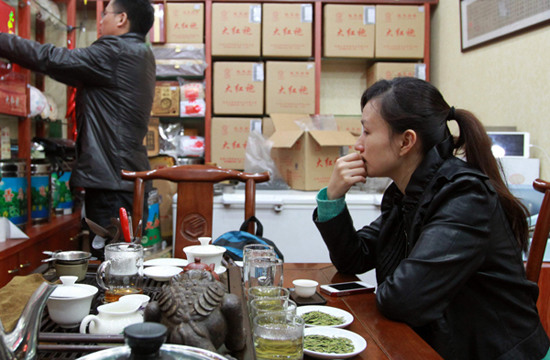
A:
(408, 141)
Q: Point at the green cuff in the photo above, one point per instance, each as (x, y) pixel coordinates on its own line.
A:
(327, 209)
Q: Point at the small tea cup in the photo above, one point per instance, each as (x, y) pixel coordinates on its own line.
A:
(70, 302)
(304, 287)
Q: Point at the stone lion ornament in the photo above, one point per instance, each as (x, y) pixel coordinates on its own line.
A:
(198, 311)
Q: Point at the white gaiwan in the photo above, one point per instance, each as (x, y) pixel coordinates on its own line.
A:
(209, 254)
(70, 302)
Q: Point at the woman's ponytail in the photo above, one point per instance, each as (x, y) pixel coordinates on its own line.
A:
(474, 142)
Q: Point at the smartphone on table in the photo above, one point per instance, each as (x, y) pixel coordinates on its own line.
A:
(347, 288)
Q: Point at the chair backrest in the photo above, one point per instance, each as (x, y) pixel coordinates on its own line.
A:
(540, 234)
(195, 189)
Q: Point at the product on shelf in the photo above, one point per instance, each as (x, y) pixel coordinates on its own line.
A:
(238, 88)
(167, 99)
(348, 31)
(179, 51)
(389, 70)
(157, 34)
(400, 31)
(290, 87)
(287, 30)
(236, 29)
(151, 140)
(229, 139)
(184, 22)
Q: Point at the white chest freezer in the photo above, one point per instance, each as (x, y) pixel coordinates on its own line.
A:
(286, 216)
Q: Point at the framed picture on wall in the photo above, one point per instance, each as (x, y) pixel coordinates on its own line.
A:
(483, 21)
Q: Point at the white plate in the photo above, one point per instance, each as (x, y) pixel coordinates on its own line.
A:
(348, 318)
(239, 263)
(161, 273)
(166, 262)
(359, 343)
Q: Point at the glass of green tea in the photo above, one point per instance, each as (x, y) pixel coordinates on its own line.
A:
(267, 291)
(274, 306)
(278, 337)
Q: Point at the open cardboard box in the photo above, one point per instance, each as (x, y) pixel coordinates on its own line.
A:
(304, 157)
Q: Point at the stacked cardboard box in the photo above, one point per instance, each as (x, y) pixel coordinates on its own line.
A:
(348, 31)
(290, 87)
(185, 23)
(399, 31)
(229, 139)
(238, 88)
(389, 70)
(236, 29)
(287, 30)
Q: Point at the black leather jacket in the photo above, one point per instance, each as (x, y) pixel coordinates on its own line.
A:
(115, 81)
(447, 263)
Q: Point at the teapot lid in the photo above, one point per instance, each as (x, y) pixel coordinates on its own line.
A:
(70, 290)
(145, 340)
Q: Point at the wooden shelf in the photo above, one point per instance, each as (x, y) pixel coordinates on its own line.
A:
(21, 256)
(38, 233)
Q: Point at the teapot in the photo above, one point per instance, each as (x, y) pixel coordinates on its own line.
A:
(112, 318)
(21, 342)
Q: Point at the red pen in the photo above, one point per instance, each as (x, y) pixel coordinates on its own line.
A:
(125, 225)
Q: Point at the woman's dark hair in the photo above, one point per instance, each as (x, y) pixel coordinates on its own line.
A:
(141, 14)
(410, 103)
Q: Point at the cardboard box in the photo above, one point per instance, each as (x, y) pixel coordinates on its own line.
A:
(229, 137)
(185, 23)
(290, 87)
(151, 139)
(399, 31)
(351, 124)
(390, 70)
(157, 34)
(305, 158)
(236, 29)
(167, 99)
(348, 31)
(238, 88)
(287, 30)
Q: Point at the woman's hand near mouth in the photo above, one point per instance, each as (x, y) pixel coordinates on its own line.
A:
(348, 170)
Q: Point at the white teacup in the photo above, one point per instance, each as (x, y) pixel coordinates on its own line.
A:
(208, 253)
(70, 302)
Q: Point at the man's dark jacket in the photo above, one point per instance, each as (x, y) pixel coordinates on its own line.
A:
(447, 263)
(115, 81)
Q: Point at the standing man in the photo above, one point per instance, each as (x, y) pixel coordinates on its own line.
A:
(115, 81)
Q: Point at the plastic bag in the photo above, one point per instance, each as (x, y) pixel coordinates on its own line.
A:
(258, 159)
(168, 134)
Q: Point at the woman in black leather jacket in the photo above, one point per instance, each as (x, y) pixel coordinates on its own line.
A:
(447, 247)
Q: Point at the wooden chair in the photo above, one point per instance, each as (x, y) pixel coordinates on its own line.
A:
(540, 234)
(195, 189)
